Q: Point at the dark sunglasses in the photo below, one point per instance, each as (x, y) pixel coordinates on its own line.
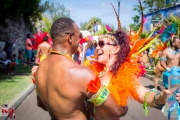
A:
(102, 43)
(80, 35)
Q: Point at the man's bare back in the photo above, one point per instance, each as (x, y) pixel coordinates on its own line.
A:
(43, 50)
(59, 89)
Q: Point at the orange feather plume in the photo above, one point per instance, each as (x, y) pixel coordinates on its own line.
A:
(121, 86)
(161, 47)
(94, 85)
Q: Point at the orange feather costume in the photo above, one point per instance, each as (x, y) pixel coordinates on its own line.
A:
(124, 84)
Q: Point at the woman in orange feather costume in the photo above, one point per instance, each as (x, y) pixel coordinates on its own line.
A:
(118, 69)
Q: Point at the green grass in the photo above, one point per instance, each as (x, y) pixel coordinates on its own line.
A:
(12, 85)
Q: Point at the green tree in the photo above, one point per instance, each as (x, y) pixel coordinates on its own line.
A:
(148, 7)
(46, 24)
(52, 13)
(136, 18)
(56, 10)
(83, 25)
(154, 5)
(30, 9)
(92, 22)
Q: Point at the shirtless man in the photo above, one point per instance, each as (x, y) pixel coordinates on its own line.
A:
(170, 57)
(62, 84)
(43, 50)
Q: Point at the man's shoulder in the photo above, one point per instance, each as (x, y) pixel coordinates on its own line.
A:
(82, 72)
(27, 39)
(165, 50)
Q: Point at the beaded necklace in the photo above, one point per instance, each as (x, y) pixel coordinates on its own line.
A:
(172, 51)
(61, 53)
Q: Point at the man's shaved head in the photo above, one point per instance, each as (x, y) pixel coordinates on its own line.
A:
(61, 26)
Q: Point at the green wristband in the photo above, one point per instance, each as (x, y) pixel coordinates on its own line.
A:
(155, 101)
(145, 103)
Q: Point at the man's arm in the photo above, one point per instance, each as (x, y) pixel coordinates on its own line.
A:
(163, 59)
(41, 104)
(110, 104)
(13, 42)
(39, 101)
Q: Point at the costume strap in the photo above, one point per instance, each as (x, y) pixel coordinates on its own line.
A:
(100, 97)
(163, 59)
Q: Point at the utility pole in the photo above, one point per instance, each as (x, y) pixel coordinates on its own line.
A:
(118, 8)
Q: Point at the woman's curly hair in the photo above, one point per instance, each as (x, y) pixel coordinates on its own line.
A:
(124, 42)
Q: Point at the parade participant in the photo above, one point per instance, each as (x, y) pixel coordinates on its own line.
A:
(43, 50)
(62, 84)
(170, 56)
(118, 69)
(158, 71)
(158, 68)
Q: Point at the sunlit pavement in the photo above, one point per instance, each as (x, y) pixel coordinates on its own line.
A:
(28, 110)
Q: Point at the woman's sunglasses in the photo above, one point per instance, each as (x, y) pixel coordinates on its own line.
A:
(102, 43)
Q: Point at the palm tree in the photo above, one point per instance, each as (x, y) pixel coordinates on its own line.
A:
(46, 24)
(93, 21)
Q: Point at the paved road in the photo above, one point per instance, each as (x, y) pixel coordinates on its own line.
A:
(29, 111)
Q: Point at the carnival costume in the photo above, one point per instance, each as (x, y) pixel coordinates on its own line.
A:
(124, 84)
(38, 40)
(167, 37)
(42, 57)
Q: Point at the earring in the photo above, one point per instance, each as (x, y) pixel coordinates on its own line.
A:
(109, 53)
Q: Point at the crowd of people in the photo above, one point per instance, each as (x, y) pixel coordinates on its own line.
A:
(27, 57)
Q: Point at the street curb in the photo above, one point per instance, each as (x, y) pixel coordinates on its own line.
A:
(19, 99)
(151, 77)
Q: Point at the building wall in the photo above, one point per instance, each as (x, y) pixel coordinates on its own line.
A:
(17, 29)
(175, 10)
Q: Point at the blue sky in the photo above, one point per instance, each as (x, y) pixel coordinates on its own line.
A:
(83, 10)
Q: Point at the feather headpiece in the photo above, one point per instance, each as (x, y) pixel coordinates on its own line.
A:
(169, 33)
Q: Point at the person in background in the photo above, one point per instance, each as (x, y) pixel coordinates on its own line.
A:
(89, 50)
(9, 47)
(21, 58)
(170, 57)
(158, 70)
(7, 63)
(14, 59)
(28, 50)
(43, 50)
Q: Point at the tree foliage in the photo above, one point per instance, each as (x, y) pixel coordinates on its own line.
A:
(53, 12)
(154, 5)
(56, 10)
(92, 22)
(148, 7)
(83, 25)
(29, 9)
